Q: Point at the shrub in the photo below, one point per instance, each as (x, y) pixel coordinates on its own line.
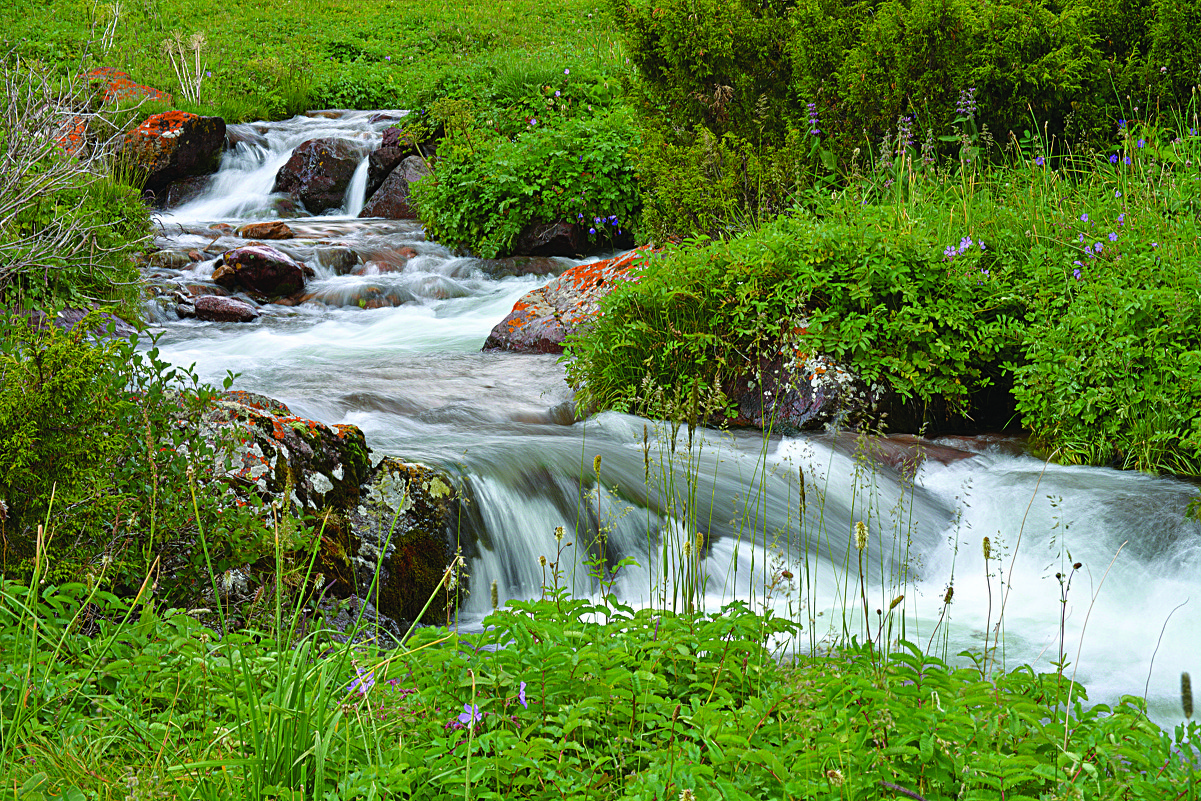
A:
(486, 189)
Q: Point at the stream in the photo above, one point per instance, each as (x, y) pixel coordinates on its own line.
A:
(410, 373)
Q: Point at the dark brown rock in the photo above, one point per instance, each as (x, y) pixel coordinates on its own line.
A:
(380, 165)
(174, 145)
(183, 191)
(275, 229)
(261, 270)
(223, 310)
(523, 265)
(338, 260)
(393, 199)
(550, 239)
(318, 173)
(236, 134)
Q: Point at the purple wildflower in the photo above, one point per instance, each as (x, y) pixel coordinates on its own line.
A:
(1113, 158)
(1097, 247)
(364, 682)
(521, 696)
(1117, 193)
(1113, 237)
(966, 107)
(1076, 273)
(1084, 217)
(471, 715)
(1142, 143)
(1040, 161)
(592, 230)
(813, 129)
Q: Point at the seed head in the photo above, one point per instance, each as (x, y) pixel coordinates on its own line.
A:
(946, 599)
(1186, 694)
(495, 596)
(835, 777)
(542, 560)
(559, 533)
(596, 463)
(687, 548)
(987, 548)
(860, 535)
(895, 602)
(700, 542)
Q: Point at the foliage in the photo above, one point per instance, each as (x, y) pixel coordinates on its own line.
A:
(555, 697)
(485, 189)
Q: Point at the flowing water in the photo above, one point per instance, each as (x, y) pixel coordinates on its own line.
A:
(412, 376)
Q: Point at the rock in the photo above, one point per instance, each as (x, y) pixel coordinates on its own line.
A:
(240, 133)
(523, 265)
(182, 191)
(174, 145)
(104, 324)
(381, 163)
(285, 458)
(342, 615)
(261, 270)
(169, 259)
(391, 200)
(338, 260)
(550, 239)
(405, 523)
(319, 172)
(223, 310)
(542, 319)
(276, 229)
(365, 296)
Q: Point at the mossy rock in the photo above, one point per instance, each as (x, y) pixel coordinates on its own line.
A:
(405, 523)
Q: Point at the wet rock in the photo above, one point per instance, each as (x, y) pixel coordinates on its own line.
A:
(412, 554)
(542, 319)
(318, 173)
(174, 145)
(550, 239)
(393, 199)
(169, 260)
(338, 260)
(358, 620)
(182, 191)
(381, 163)
(196, 289)
(285, 458)
(365, 296)
(523, 265)
(276, 229)
(261, 270)
(237, 133)
(223, 310)
(102, 324)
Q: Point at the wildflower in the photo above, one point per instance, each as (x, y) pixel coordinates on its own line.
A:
(1040, 161)
(556, 93)
(835, 777)
(533, 120)
(904, 133)
(471, 715)
(1097, 246)
(566, 72)
(1084, 217)
(208, 73)
(966, 107)
(559, 532)
(1117, 193)
(521, 696)
(1142, 143)
(1154, 244)
(1113, 158)
(387, 58)
(1079, 237)
(981, 246)
(1126, 161)
(950, 252)
(813, 129)
(687, 795)
(1163, 69)
(592, 230)
(1113, 237)
(1122, 125)
(1122, 218)
(364, 682)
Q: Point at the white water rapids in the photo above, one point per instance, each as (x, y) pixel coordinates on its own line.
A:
(412, 376)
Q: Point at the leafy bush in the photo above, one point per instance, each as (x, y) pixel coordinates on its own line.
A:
(869, 292)
(486, 189)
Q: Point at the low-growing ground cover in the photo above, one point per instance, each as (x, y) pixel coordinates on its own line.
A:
(556, 698)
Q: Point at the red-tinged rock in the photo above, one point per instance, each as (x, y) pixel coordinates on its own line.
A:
(119, 87)
(275, 229)
(393, 200)
(542, 319)
(261, 270)
(318, 173)
(224, 310)
(174, 145)
(381, 163)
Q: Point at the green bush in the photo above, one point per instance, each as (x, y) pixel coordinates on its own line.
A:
(486, 189)
(870, 292)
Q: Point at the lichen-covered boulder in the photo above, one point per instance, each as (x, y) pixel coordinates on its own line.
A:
(285, 458)
(261, 270)
(318, 173)
(174, 145)
(404, 524)
(543, 318)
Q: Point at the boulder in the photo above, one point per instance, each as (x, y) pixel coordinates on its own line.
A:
(392, 199)
(284, 458)
(543, 318)
(275, 229)
(240, 133)
(174, 145)
(550, 239)
(318, 173)
(404, 523)
(217, 309)
(261, 270)
(339, 260)
(523, 265)
(182, 191)
(381, 163)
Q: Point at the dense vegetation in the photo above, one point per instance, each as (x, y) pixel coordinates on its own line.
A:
(952, 197)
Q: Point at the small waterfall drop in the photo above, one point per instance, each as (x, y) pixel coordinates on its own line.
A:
(356, 193)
